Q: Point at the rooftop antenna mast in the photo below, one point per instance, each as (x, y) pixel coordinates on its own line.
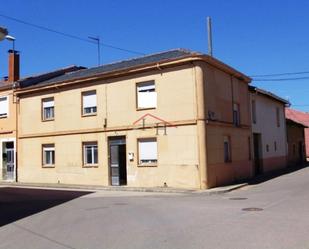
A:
(209, 32)
(97, 40)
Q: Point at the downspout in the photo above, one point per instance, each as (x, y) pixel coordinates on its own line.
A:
(201, 123)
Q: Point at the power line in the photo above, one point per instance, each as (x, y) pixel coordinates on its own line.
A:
(279, 74)
(282, 79)
(68, 35)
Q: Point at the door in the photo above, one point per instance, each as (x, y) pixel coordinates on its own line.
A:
(117, 161)
(301, 151)
(8, 161)
(257, 144)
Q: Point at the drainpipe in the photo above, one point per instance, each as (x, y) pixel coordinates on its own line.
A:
(201, 123)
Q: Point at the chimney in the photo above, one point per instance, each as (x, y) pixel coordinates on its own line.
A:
(13, 66)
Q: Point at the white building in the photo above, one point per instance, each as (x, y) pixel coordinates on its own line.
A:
(269, 130)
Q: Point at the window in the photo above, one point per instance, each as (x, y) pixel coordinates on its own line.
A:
(48, 155)
(4, 107)
(147, 149)
(146, 95)
(48, 112)
(294, 149)
(267, 148)
(236, 114)
(253, 106)
(278, 116)
(275, 146)
(90, 153)
(227, 149)
(249, 149)
(89, 103)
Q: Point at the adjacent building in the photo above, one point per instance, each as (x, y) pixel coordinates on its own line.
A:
(8, 121)
(303, 119)
(176, 119)
(269, 130)
(297, 136)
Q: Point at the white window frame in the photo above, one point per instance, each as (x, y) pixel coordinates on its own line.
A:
(48, 106)
(48, 148)
(93, 146)
(89, 109)
(147, 160)
(5, 112)
(146, 95)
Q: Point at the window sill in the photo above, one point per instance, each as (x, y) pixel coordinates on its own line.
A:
(48, 166)
(89, 115)
(47, 120)
(145, 109)
(91, 166)
(147, 165)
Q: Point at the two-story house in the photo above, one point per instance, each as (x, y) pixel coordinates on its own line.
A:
(176, 118)
(269, 130)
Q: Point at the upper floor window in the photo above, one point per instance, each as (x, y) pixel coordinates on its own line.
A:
(253, 107)
(48, 112)
(48, 155)
(236, 114)
(89, 103)
(147, 152)
(146, 95)
(278, 116)
(4, 107)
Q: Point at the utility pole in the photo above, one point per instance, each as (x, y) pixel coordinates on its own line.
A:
(209, 32)
(97, 40)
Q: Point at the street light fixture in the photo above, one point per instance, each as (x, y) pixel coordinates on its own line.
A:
(3, 33)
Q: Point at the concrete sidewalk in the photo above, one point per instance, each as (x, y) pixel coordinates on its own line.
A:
(213, 191)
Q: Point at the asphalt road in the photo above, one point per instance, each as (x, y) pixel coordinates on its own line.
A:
(278, 217)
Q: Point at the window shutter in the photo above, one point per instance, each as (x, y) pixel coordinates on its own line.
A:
(148, 150)
(4, 105)
(147, 99)
(48, 103)
(89, 100)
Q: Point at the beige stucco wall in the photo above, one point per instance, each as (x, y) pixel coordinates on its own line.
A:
(177, 159)
(266, 125)
(221, 91)
(116, 101)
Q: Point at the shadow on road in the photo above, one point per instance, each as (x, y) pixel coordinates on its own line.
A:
(271, 175)
(18, 203)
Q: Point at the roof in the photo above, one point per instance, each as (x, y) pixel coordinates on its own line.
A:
(126, 65)
(37, 79)
(268, 94)
(297, 116)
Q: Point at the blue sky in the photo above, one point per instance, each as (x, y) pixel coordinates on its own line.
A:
(255, 37)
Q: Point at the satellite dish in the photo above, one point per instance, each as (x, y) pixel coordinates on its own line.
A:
(3, 33)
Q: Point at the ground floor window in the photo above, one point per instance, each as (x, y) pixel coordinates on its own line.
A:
(48, 151)
(227, 149)
(147, 151)
(90, 150)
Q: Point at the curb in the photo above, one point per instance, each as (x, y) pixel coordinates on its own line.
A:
(214, 191)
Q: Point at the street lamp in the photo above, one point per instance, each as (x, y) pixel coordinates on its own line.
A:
(3, 33)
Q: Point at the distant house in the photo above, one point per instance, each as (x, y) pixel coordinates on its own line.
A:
(269, 130)
(297, 135)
